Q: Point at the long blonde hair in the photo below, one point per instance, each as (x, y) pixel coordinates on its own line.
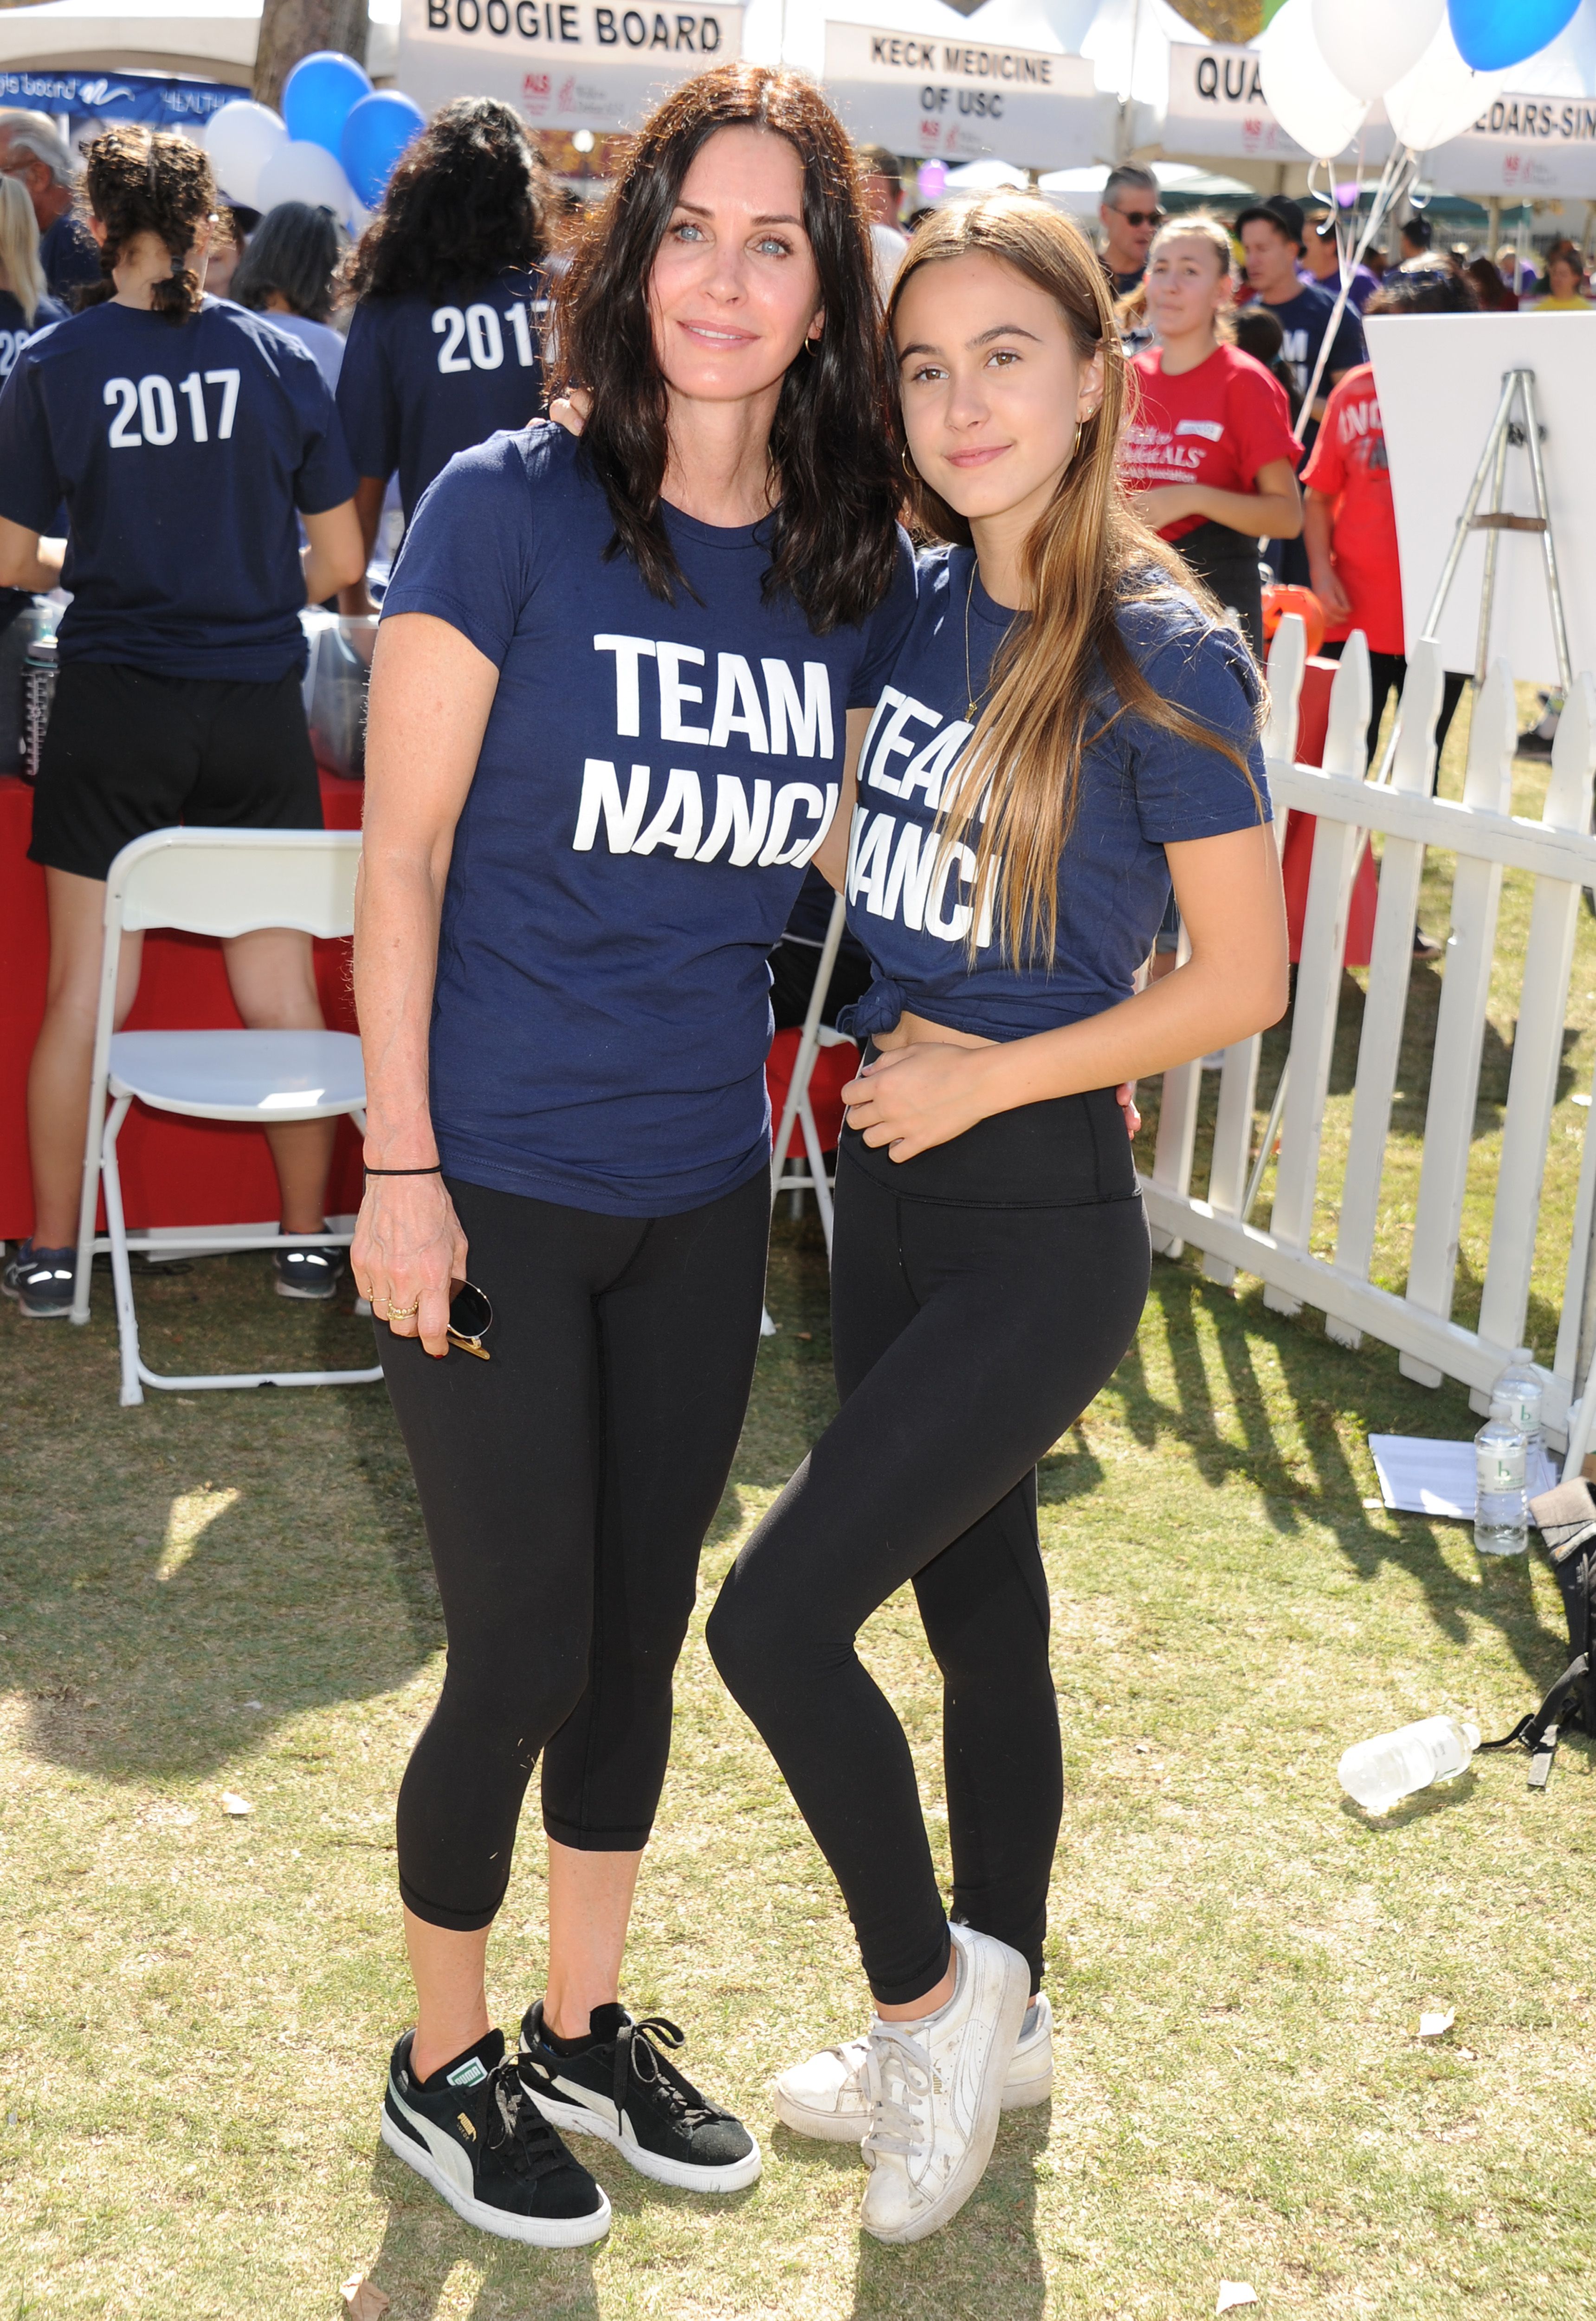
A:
(1087, 558)
(19, 248)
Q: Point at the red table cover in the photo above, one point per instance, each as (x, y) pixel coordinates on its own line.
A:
(173, 1171)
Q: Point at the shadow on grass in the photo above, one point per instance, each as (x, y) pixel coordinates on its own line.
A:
(1304, 1474)
(179, 1579)
(423, 2246)
(993, 2236)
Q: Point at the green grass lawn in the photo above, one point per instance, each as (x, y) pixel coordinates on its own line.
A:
(233, 1593)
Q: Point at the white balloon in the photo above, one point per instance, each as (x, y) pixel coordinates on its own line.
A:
(1302, 91)
(241, 140)
(299, 171)
(1441, 96)
(1368, 44)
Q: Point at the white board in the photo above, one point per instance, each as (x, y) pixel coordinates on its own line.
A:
(1439, 379)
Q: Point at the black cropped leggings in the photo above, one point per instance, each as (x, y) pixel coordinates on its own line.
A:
(566, 1487)
(982, 1293)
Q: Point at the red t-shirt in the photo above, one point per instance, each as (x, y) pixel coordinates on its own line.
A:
(1349, 467)
(1217, 424)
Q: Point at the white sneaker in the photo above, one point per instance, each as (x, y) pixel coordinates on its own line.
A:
(935, 2091)
(827, 2098)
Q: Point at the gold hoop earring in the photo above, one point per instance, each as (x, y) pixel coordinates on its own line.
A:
(810, 344)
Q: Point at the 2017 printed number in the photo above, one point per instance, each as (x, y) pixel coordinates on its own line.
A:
(479, 330)
(151, 403)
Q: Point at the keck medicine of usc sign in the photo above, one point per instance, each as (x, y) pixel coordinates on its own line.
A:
(563, 64)
(955, 99)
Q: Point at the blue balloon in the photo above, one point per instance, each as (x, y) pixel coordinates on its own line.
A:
(1493, 33)
(376, 133)
(318, 93)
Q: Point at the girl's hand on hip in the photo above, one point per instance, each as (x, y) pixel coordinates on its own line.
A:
(911, 1099)
(407, 1253)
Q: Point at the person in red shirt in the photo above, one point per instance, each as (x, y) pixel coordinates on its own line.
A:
(1349, 526)
(1209, 454)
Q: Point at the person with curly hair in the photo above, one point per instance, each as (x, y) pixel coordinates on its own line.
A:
(186, 437)
(445, 343)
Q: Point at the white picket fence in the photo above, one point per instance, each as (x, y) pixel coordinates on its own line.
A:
(1560, 854)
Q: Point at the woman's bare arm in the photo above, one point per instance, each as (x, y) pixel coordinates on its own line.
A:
(1273, 512)
(430, 695)
(1234, 983)
(830, 857)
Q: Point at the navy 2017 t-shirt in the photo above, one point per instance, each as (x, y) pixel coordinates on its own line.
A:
(182, 450)
(1303, 321)
(652, 781)
(425, 377)
(1142, 789)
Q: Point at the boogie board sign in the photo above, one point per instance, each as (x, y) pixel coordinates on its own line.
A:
(564, 64)
(956, 99)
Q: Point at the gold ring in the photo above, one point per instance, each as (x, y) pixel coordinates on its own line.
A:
(403, 1312)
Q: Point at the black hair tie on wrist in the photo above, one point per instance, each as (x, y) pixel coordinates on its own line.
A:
(435, 1171)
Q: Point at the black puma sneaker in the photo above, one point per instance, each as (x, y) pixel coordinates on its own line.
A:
(619, 2085)
(479, 2142)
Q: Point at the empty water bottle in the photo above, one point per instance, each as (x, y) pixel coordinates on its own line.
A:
(1379, 1773)
(1502, 1508)
(1520, 1384)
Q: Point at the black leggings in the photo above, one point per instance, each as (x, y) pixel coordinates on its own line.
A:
(982, 1295)
(566, 1486)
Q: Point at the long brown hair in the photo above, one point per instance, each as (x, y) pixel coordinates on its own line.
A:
(149, 181)
(834, 482)
(1088, 558)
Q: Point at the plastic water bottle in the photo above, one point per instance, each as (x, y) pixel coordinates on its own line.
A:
(1519, 1385)
(1379, 1773)
(1502, 1510)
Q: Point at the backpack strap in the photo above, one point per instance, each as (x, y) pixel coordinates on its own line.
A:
(1540, 1732)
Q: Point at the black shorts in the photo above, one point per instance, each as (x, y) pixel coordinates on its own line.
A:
(128, 751)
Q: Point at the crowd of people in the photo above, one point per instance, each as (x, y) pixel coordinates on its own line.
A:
(920, 568)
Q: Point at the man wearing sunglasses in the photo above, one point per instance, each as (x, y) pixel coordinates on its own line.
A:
(1131, 215)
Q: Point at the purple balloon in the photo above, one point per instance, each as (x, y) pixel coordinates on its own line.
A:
(1493, 33)
(932, 180)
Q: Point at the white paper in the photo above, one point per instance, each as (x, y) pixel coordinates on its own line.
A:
(1419, 1477)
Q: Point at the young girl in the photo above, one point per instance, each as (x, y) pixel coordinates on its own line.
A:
(1209, 453)
(184, 436)
(607, 734)
(1066, 730)
(444, 341)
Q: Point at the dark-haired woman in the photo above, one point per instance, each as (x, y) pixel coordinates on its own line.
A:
(445, 344)
(1065, 731)
(610, 702)
(184, 437)
(286, 273)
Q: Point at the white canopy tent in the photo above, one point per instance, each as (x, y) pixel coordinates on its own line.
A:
(1204, 99)
(212, 38)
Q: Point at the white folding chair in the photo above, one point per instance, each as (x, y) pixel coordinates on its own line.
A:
(213, 882)
(815, 1036)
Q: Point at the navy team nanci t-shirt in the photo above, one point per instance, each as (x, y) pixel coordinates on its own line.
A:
(425, 377)
(653, 779)
(182, 450)
(1142, 789)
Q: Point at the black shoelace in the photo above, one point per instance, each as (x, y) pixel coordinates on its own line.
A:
(639, 2062)
(517, 2134)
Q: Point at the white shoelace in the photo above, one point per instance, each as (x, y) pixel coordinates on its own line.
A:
(898, 2121)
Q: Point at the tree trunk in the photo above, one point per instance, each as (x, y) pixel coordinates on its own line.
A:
(291, 29)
